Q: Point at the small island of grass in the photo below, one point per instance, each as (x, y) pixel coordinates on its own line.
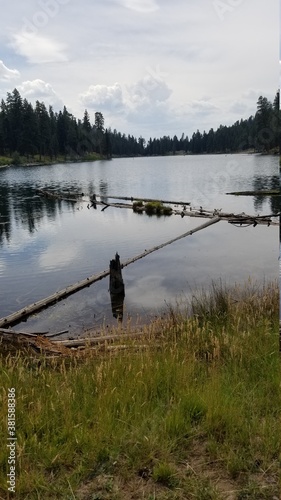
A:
(152, 208)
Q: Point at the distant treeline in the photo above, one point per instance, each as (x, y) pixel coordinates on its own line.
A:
(35, 131)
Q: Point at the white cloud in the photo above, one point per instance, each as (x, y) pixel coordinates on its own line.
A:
(239, 107)
(103, 96)
(144, 6)
(202, 106)
(140, 103)
(149, 90)
(7, 74)
(117, 40)
(38, 49)
(57, 255)
(40, 90)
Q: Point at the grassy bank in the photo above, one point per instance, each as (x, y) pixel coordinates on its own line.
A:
(189, 411)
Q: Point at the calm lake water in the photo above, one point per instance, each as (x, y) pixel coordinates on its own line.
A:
(47, 244)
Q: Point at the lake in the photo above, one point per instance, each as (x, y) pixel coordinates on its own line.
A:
(47, 244)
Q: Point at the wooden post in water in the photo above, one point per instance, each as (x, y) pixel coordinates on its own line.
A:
(116, 288)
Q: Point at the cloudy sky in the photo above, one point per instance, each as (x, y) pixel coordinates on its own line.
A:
(152, 67)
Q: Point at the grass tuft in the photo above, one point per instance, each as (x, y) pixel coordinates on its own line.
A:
(194, 404)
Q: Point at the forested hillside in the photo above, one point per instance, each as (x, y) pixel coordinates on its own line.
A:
(35, 131)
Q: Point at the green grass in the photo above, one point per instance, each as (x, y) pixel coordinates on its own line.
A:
(5, 160)
(91, 157)
(138, 206)
(152, 208)
(157, 207)
(192, 410)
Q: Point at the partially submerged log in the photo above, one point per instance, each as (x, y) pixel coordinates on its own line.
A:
(214, 220)
(50, 335)
(23, 313)
(73, 197)
(183, 212)
(264, 192)
(131, 198)
(250, 221)
(231, 217)
(13, 332)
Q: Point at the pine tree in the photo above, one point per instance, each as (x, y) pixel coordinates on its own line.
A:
(44, 129)
(263, 120)
(14, 115)
(30, 136)
(99, 128)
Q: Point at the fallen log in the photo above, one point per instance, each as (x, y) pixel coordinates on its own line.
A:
(50, 335)
(13, 343)
(97, 340)
(250, 221)
(265, 192)
(158, 247)
(13, 332)
(58, 196)
(23, 313)
(131, 198)
(206, 214)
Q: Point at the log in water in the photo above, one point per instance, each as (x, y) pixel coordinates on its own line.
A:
(23, 313)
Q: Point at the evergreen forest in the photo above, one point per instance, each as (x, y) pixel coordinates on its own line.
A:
(35, 132)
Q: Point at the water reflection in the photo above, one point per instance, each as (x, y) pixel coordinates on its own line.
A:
(103, 191)
(5, 213)
(22, 205)
(265, 183)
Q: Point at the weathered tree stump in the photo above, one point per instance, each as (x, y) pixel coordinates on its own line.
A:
(116, 288)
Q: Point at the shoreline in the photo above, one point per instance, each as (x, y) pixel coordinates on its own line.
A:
(90, 160)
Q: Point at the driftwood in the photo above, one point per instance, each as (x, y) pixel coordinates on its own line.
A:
(205, 214)
(202, 213)
(158, 247)
(13, 332)
(18, 316)
(50, 335)
(131, 198)
(230, 217)
(58, 196)
(265, 192)
(97, 340)
(41, 304)
(14, 342)
(251, 221)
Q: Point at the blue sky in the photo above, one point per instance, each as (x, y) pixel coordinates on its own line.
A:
(152, 67)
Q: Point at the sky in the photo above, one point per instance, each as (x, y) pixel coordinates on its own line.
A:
(152, 67)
